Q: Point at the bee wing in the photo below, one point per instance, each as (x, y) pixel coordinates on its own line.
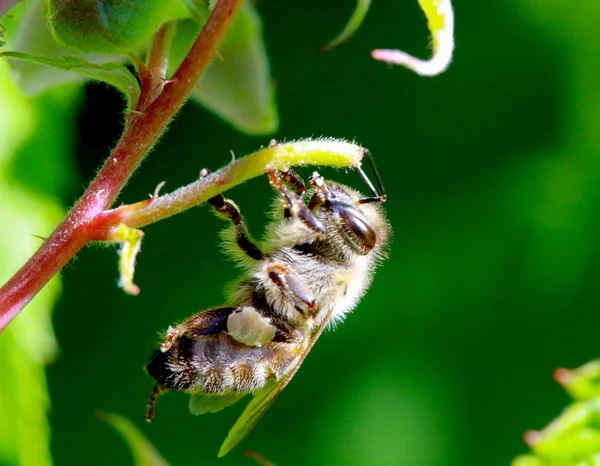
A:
(264, 398)
(201, 404)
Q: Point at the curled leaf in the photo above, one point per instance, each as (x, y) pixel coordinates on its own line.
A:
(131, 243)
(362, 7)
(440, 21)
(111, 73)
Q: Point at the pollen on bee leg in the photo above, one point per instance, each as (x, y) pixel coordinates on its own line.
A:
(172, 335)
(317, 181)
(249, 327)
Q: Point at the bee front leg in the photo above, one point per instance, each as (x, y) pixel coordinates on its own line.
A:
(227, 208)
(293, 202)
(291, 285)
(321, 194)
(293, 179)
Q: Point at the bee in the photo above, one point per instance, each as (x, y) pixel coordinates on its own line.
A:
(317, 261)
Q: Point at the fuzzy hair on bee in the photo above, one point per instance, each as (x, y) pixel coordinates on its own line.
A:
(317, 260)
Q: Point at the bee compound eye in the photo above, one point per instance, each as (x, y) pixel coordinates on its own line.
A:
(359, 232)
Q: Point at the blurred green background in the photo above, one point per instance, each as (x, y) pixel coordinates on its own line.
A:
(493, 181)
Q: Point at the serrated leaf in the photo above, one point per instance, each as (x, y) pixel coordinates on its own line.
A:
(362, 7)
(111, 73)
(144, 453)
(111, 26)
(28, 209)
(237, 86)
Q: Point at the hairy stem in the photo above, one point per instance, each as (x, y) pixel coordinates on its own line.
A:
(310, 152)
(141, 134)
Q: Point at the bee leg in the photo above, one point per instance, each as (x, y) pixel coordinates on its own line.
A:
(285, 333)
(228, 208)
(293, 179)
(292, 285)
(293, 204)
(172, 334)
(321, 194)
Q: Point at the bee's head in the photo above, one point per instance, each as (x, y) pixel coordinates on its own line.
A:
(351, 223)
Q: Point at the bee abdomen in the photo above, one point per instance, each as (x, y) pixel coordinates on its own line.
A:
(171, 368)
(214, 364)
(225, 365)
(240, 378)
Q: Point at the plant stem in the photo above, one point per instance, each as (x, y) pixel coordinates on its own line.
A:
(141, 134)
(153, 74)
(281, 156)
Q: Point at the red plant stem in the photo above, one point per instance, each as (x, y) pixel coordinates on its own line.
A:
(141, 134)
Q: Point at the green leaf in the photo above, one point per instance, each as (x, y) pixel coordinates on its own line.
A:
(362, 7)
(109, 26)
(144, 453)
(237, 86)
(28, 208)
(111, 73)
(27, 32)
(573, 438)
(583, 383)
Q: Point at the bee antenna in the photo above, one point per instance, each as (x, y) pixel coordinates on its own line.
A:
(378, 196)
(156, 392)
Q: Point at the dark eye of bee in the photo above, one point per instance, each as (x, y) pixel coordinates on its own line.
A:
(358, 232)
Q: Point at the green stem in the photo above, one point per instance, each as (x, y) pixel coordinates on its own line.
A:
(310, 152)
